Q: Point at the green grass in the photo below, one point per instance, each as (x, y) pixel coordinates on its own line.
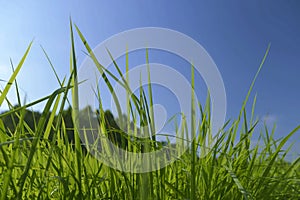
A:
(34, 167)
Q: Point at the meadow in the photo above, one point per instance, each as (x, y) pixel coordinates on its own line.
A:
(39, 161)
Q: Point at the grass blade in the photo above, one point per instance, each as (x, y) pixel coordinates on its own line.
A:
(14, 75)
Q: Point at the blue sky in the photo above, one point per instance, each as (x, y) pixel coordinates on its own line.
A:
(234, 33)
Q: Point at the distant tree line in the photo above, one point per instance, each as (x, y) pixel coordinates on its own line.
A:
(31, 119)
(87, 118)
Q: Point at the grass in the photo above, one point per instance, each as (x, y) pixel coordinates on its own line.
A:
(32, 166)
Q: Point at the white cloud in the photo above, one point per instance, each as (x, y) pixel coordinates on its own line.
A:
(269, 118)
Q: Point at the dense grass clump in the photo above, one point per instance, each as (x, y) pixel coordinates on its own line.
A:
(38, 160)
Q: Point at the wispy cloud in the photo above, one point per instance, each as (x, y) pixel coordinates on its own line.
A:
(269, 119)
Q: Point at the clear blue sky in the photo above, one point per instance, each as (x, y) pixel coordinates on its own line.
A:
(234, 33)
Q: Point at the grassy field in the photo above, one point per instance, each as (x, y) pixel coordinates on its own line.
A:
(33, 166)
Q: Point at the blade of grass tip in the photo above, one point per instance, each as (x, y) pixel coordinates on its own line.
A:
(123, 79)
(51, 65)
(207, 122)
(142, 114)
(146, 109)
(14, 75)
(247, 132)
(116, 65)
(272, 135)
(125, 84)
(109, 72)
(100, 68)
(269, 140)
(16, 84)
(54, 71)
(51, 118)
(255, 77)
(150, 96)
(75, 110)
(273, 158)
(252, 110)
(202, 129)
(17, 90)
(245, 121)
(252, 84)
(39, 132)
(19, 99)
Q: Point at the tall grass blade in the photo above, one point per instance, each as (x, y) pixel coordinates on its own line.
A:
(75, 111)
(14, 75)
